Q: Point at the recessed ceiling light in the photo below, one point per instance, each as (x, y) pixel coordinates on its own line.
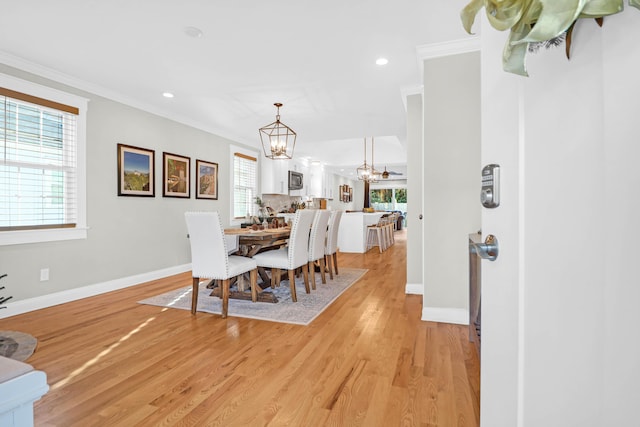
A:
(382, 61)
(194, 32)
(167, 94)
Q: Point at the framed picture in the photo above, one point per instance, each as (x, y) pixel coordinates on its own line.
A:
(206, 180)
(136, 171)
(176, 175)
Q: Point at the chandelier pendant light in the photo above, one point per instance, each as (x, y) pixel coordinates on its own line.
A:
(375, 175)
(278, 139)
(367, 172)
(364, 171)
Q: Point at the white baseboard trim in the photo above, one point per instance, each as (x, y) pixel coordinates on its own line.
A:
(459, 316)
(414, 289)
(49, 300)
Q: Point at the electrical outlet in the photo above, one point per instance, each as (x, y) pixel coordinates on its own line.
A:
(44, 274)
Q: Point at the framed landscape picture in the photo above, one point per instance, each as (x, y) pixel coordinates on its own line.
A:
(176, 175)
(135, 171)
(206, 180)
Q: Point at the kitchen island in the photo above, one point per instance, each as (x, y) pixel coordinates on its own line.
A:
(352, 234)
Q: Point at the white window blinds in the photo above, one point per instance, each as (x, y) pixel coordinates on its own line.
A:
(245, 184)
(38, 169)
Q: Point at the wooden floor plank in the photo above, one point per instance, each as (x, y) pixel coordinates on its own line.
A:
(367, 360)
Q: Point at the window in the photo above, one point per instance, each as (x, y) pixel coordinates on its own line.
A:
(389, 199)
(245, 184)
(41, 163)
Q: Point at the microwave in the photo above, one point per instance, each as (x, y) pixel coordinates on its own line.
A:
(295, 180)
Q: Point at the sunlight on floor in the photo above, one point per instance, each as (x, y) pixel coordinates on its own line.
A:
(179, 297)
(101, 355)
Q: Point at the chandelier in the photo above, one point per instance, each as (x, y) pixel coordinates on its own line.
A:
(278, 139)
(367, 172)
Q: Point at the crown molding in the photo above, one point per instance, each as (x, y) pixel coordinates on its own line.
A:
(452, 47)
(92, 88)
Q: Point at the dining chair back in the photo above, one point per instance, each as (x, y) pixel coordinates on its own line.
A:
(210, 259)
(294, 255)
(317, 242)
(331, 248)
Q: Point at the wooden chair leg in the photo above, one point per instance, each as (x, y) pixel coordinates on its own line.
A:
(194, 294)
(253, 277)
(323, 275)
(329, 267)
(225, 297)
(305, 273)
(312, 271)
(292, 285)
(274, 272)
(335, 262)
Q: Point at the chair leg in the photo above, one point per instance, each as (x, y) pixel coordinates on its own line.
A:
(225, 297)
(335, 262)
(329, 266)
(194, 294)
(312, 271)
(274, 272)
(305, 273)
(292, 285)
(380, 239)
(253, 276)
(323, 275)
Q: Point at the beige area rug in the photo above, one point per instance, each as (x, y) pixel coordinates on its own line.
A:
(17, 345)
(308, 307)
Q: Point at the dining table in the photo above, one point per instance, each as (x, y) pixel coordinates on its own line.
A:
(251, 242)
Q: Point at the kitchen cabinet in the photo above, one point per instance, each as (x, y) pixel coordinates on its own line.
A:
(328, 189)
(274, 176)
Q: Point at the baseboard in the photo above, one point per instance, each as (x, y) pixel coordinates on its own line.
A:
(49, 300)
(414, 289)
(459, 316)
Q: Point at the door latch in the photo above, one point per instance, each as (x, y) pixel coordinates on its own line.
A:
(487, 250)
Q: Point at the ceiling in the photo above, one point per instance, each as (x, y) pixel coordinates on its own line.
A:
(317, 58)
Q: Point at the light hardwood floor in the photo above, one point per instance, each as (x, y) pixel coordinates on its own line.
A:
(368, 360)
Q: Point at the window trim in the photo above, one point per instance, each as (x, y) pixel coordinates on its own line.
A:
(39, 235)
(253, 154)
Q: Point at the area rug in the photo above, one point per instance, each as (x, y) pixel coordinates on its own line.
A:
(17, 345)
(308, 307)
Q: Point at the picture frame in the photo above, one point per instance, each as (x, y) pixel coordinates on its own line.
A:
(176, 176)
(346, 193)
(206, 180)
(136, 171)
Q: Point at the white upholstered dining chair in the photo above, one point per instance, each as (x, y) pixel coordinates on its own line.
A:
(210, 258)
(331, 248)
(317, 240)
(294, 255)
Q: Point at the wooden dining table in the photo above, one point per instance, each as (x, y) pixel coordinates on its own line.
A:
(251, 242)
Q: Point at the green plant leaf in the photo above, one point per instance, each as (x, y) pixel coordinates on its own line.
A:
(555, 17)
(468, 14)
(600, 8)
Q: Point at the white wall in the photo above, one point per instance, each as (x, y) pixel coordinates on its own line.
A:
(451, 184)
(335, 203)
(415, 282)
(558, 343)
(127, 236)
(621, 66)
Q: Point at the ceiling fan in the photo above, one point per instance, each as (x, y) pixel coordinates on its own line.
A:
(386, 173)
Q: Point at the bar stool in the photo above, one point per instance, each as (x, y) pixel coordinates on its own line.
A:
(377, 235)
